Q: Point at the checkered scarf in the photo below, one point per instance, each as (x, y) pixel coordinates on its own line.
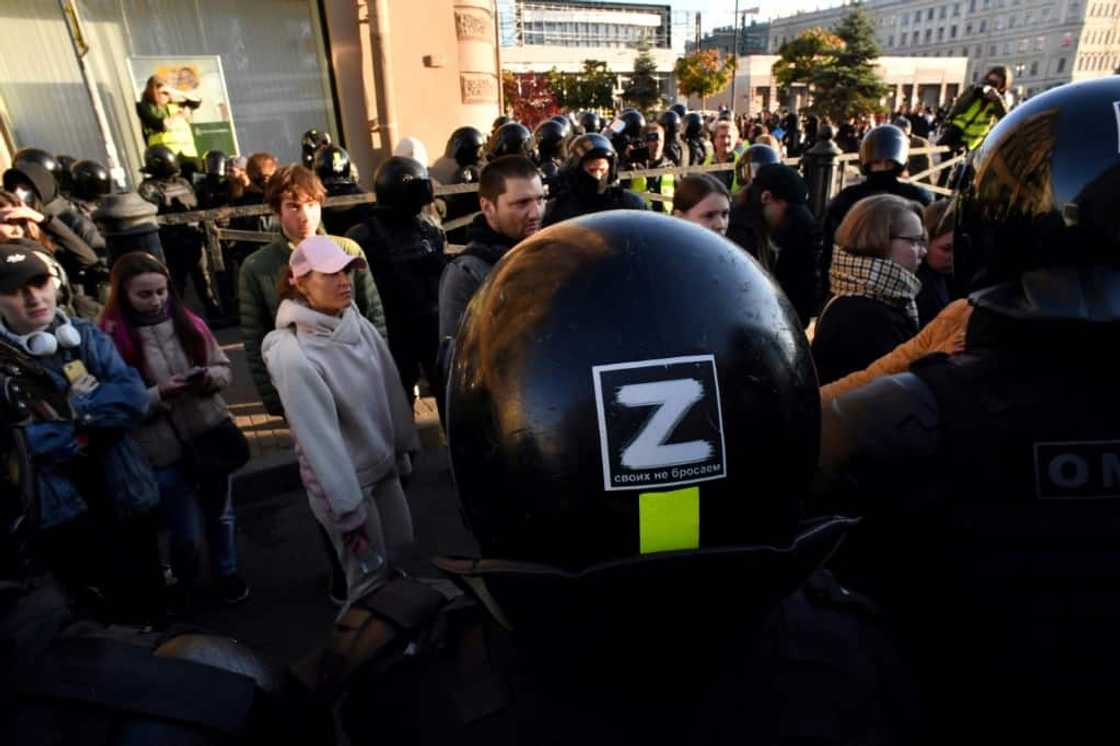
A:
(872, 277)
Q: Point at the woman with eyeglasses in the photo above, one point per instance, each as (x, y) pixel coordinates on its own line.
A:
(879, 247)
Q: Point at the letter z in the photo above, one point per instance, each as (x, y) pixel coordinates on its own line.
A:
(673, 399)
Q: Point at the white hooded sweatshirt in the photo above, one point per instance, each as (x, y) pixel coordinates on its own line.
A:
(344, 401)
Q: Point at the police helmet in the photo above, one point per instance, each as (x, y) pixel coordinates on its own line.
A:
(754, 158)
(693, 125)
(670, 121)
(549, 139)
(1036, 217)
(65, 173)
(91, 180)
(39, 157)
(512, 138)
(160, 162)
(499, 122)
(641, 415)
(403, 184)
(903, 124)
(313, 140)
(591, 122)
(587, 147)
(214, 163)
(884, 143)
(565, 124)
(465, 146)
(679, 109)
(332, 163)
(628, 124)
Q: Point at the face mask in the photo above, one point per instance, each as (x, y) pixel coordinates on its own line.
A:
(587, 184)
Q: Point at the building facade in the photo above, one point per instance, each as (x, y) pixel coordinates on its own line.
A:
(280, 67)
(562, 34)
(754, 38)
(1045, 43)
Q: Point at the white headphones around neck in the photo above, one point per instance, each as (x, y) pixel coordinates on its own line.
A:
(46, 343)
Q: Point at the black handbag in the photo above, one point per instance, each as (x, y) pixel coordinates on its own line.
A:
(223, 449)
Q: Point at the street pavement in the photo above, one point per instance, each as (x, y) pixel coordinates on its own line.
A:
(282, 557)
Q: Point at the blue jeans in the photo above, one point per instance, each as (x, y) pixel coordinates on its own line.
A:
(186, 514)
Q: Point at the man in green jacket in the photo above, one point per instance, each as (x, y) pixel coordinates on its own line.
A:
(296, 195)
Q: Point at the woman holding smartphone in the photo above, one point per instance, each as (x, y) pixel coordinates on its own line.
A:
(184, 368)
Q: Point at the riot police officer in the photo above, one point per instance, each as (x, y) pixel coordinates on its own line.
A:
(91, 182)
(549, 139)
(312, 142)
(182, 244)
(332, 166)
(695, 136)
(625, 131)
(675, 149)
(650, 155)
(643, 573)
(512, 138)
(214, 190)
(51, 201)
(988, 478)
(406, 256)
(589, 182)
(591, 123)
(883, 155)
(460, 164)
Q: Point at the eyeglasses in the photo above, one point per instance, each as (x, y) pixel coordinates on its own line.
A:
(916, 240)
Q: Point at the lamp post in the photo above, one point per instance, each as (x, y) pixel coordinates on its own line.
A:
(735, 52)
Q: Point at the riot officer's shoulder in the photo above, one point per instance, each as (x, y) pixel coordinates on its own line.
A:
(628, 200)
(149, 190)
(915, 193)
(360, 234)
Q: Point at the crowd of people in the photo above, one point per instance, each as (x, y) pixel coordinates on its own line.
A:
(662, 426)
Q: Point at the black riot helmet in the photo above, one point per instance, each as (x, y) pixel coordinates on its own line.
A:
(500, 122)
(565, 124)
(628, 124)
(65, 173)
(679, 109)
(670, 121)
(403, 185)
(693, 126)
(1037, 223)
(332, 164)
(512, 138)
(591, 122)
(549, 139)
(313, 140)
(754, 158)
(884, 143)
(632, 407)
(39, 157)
(465, 146)
(91, 180)
(160, 162)
(214, 164)
(586, 147)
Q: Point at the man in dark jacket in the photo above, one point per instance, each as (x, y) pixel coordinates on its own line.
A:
(588, 182)
(883, 155)
(512, 199)
(332, 166)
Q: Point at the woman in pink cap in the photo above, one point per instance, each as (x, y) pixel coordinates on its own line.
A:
(347, 410)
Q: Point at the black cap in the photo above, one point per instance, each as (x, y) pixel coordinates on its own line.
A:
(783, 182)
(19, 263)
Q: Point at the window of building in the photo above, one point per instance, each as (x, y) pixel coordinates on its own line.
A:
(987, 4)
(1044, 14)
(979, 51)
(941, 12)
(971, 6)
(1006, 48)
(902, 40)
(914, 38)
(992, 50)
(968, 29)
(956, 9)
(941, 34)
(998, 23)
(1061, 65)
(983, 25)
(929, 35)
(1034, 68)
(952, 32)
(904, 19)
(1011, 21)
(975, 75)
(917, 16)
(929, 14)
(890, 40)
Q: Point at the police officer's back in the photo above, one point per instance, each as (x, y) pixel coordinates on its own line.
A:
(883, 155)
(589, 182)
(406, 256)
(988, 479)
(630, 442)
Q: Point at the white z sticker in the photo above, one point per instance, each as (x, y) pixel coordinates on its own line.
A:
(673, 399)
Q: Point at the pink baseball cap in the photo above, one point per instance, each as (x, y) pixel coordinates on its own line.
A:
(323, 255)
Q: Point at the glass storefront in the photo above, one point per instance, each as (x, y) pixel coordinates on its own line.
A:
(271, 51)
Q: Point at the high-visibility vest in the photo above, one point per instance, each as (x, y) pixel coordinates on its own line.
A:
(666, 187)
(974, 122)
(178, 137)
(711, 159)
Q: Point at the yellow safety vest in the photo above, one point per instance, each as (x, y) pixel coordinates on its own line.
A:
(734, 172)
(666, 187)
(178, 137)
(974, 122)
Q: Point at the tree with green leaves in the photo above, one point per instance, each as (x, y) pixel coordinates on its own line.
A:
(592, 88)
(837, 67)
(643, 90)
(703, 73)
